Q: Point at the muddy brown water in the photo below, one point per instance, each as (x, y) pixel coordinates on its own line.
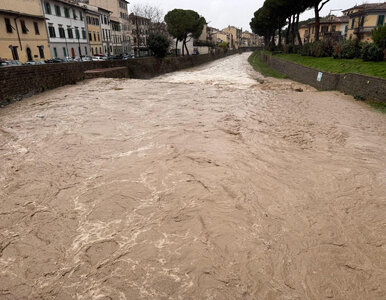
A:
(202, 184)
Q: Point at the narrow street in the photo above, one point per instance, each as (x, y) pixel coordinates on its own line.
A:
(210, 183)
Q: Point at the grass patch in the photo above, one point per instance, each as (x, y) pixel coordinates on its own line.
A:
(329, 64)
(377, 105)
(261, 67)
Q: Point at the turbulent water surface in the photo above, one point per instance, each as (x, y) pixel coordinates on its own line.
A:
(211, 183)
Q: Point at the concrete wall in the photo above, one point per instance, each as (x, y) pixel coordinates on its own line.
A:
(19, 82)
(367, 87)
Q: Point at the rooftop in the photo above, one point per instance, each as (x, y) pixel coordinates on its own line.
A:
(16, 13)
(368, 6)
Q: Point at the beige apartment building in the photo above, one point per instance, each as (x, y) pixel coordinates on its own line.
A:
(119, 14)
(234, 36)
(249, 39)
(140, 30)
(331, 27)
(23, 34)
(363, 19)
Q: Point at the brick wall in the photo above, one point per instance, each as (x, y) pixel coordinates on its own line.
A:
(19, 82)
(367, 87)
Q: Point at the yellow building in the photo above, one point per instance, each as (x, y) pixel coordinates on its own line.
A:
(221, 36)
(363, 19)
(234, 36)
(331, 27)
(94, 31)
(23, 34)
(249, 39)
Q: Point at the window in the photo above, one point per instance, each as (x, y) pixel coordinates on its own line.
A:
(36, 26)
(362, 22)
(74, 14)
(84, 34)
(23, 27)
(94, 36)
(51, 30)
(352, 23)
(48, 8)
(77, 35)
(55, 53)
(90, 36)
(85, 50)
(333, 28)
(8, 25)
(57, 10)
(66, 12)
(64, 52)
(70, 33)
(62, 34)
(41, 51)
(15, 55)
(99, 38)
(381, 20)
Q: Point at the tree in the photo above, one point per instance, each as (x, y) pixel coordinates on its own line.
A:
(379, 36)
(273, 16)
(318, 5)
(152, 13)
(158, 44)
(183, 24)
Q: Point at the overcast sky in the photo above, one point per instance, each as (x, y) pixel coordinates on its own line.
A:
(221, 13)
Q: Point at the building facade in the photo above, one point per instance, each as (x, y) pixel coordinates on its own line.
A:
(23, 34)
(235, 36)
(107, 46)
(140, 30)
(249, 39)
(331, 27)
(116, 38)
(93, 21)
(363, 19)
(222, 37)
(119, 14)
(67, 30)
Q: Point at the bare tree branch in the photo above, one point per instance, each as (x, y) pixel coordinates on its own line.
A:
(323, 4)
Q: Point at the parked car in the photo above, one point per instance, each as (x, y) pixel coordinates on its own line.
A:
(99, 58)
(126, 57)
(68, 59)
(54, 60)
(86, 58)
(35, 62)
(10, 63)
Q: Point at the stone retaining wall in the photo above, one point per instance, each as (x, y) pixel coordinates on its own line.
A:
(357, 85)
(19, 82)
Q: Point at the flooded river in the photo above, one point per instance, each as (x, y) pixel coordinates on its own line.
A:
(211, 183)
